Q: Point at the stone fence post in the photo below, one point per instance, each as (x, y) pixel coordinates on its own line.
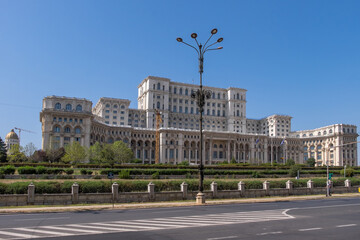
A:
(290, 186)
(213, 186)
(115, 191)
(31, 194)
(184, 189)
(348, 183)
(241, 188)
(266, 187)
(310, 185)
(151, 191)
(75, 193)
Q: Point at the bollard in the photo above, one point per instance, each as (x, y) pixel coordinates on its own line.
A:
(266, 187)
(75, 192)
(290, 186)
(213, 187)
(151, 191)
(115, 191)
(184, 189)
(348, 183)
(310, 185)
(31, 194)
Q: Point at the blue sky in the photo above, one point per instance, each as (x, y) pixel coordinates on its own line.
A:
(299, 58)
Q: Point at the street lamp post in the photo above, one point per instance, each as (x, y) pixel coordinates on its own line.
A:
(200, 97)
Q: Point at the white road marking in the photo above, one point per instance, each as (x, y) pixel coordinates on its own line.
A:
(18, 234)
(146, 224)
(64, 228)
(218, 238)
(269, 233)
(309, 229)
(44, 231)
(32, 219)
(347, 225)
(127, 225)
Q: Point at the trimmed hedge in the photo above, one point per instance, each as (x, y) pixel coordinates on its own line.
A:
(141, 185)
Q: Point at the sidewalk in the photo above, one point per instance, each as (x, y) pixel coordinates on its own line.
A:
(36, 209)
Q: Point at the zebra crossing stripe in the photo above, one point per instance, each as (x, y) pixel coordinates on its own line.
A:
(102, 227)
(72, 230)
(19, 234)
(127, 225)
(43, 231)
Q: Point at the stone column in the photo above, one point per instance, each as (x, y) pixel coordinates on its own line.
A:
(266, 187)
(213, 186)
(289, 186)
(75, 192)
(241, 188)
(266, 154)
(228, 152)
(272, 155)
(310, 185)
(348, 183)
(115, 191)
(210, 151)
(31, 194)
(184, 189)
(151, 191)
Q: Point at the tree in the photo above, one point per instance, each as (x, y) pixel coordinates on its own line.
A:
(95, 153)
(55, 155)
(74, 154)
(108, 155)
(294, 170)
(16, 154)
(122, 153)
(3, 151)
(29, 149)
(311, 162)
(39, 156)
(290, 162)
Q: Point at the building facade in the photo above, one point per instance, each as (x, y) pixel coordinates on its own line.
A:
(228, 133)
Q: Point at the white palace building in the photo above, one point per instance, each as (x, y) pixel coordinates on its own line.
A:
(228, 133)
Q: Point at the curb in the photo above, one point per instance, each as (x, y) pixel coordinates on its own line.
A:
(72, 208)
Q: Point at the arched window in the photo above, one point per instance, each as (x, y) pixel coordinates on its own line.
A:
(56, 129)
(158, 105)
(324, 132)
(115, 106)
(78, 130)
(186, 92)
(67, 130)
(107, 105)
(330, 131)
(215, 146)
(158, 86)
(58, 106)
(68, 107)
(79, 108)
(122, 107)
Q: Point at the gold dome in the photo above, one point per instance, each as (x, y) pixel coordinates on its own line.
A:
(12, 135)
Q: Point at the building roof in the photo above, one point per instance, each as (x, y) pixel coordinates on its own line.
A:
(12, 135)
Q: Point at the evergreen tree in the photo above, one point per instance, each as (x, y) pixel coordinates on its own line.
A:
(3, 151)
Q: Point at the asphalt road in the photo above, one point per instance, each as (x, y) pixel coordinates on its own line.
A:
(311, 219)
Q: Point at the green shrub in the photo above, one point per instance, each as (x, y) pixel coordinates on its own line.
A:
(294, 170)
(255, 174)
(83, 171)
(89, 172)
(41, 170)
(349, 172)
(26, 170)
(124, 174)
(9, 169)
(69, 171)
(155, 175)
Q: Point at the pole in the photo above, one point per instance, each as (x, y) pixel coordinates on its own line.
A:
(345, 171)
(327, 176)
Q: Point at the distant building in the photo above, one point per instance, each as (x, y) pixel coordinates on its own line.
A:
(11, 139)
(228, 133)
